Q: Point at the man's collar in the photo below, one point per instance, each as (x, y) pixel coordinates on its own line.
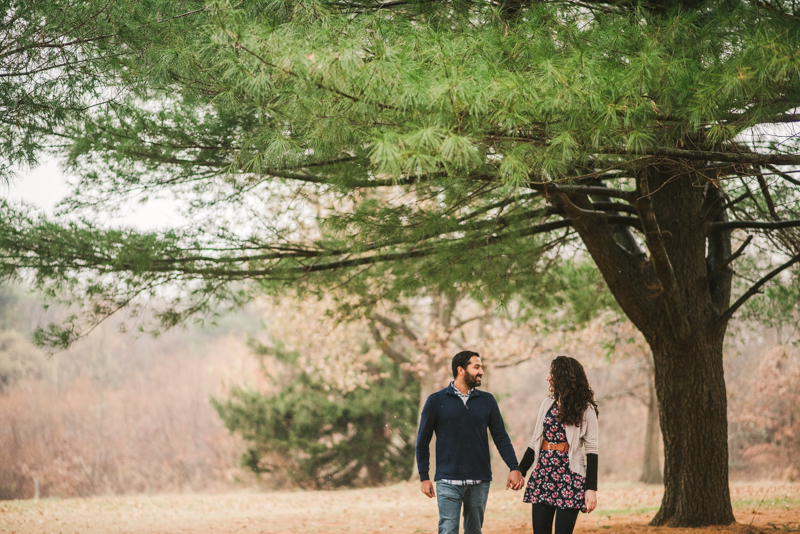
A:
(453, 390)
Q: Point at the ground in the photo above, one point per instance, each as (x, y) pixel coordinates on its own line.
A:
(759, 507)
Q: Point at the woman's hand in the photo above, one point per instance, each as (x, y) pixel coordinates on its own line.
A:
(591, 501)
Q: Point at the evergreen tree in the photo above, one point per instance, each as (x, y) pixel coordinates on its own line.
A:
(331, 438)
(460, 146)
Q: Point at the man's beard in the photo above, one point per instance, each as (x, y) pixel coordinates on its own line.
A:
(472, 381)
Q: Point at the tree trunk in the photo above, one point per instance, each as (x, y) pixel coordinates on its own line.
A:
(441, 316)
(651, 468)
(690, 381)
(495, 460)
(373, 460)
(428, 386)
(666, 291)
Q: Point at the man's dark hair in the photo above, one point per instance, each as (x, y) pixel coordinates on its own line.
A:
(462, 360)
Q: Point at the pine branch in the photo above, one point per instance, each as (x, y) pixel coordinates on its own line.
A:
(385, 182)
(702, 155)
(783, 175)
(754, 225)
(320, 85)
(603, 216)
(614, 206)
(550, 188)
(762, 183)
(755, 289)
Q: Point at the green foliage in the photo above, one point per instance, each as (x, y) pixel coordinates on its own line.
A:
(402, 147)
(51, 58)
(575, 288)
(327, 438)
(779, 306)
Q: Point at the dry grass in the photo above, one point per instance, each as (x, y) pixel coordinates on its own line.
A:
(772, 507)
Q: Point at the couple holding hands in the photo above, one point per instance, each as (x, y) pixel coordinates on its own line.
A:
(563, 449)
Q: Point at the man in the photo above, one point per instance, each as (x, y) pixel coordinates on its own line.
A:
(459, 415)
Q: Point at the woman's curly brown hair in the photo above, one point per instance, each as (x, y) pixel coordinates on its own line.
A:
(571, 390)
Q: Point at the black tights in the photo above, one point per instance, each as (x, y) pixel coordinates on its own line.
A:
(542, 518)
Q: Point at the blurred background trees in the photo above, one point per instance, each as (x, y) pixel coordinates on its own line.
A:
(302, 398)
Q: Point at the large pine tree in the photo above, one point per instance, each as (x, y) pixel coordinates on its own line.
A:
(461, 146)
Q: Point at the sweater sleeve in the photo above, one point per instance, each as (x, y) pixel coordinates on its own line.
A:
(591, 448)
(527, 461)
(591, 471)
(500, 437)
(590, 438)
(426, 425)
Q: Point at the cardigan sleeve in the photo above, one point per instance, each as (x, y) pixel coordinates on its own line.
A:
(590, 439)
(527, 461)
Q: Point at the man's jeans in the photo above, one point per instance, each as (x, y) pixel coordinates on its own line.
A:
(451, 498)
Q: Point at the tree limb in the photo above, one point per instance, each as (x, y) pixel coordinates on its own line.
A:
(551, 189)
(467, 321)
(755, 289)
(713, 214)
(762, 183)
(730, 259)
(513, 362)
(393, 354)
(661, 262)
(702, 155)
(614, 206)
(762, 225)
(783, 175)
(400, 328)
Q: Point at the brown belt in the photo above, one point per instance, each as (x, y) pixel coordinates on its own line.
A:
(561, 447)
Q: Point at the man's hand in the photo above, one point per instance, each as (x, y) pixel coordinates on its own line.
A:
(515, 480)
(591, 501)
(427, 488)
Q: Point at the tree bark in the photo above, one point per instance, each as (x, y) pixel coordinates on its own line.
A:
(651, 466)
(691, 388)
(373, 460)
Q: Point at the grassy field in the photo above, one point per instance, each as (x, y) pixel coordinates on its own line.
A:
(759, 507)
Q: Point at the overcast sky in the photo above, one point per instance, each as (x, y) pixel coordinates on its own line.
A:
(46, 185)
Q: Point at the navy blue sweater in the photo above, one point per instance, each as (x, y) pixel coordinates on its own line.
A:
(462, 445)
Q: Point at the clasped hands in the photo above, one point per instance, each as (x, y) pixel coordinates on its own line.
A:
(515, 480)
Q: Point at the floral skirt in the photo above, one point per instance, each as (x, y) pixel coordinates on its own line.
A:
(553, 483)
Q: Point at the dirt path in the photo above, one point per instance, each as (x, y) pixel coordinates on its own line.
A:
(771, 507)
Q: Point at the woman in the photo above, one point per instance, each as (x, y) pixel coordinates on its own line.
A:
(564, 450)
